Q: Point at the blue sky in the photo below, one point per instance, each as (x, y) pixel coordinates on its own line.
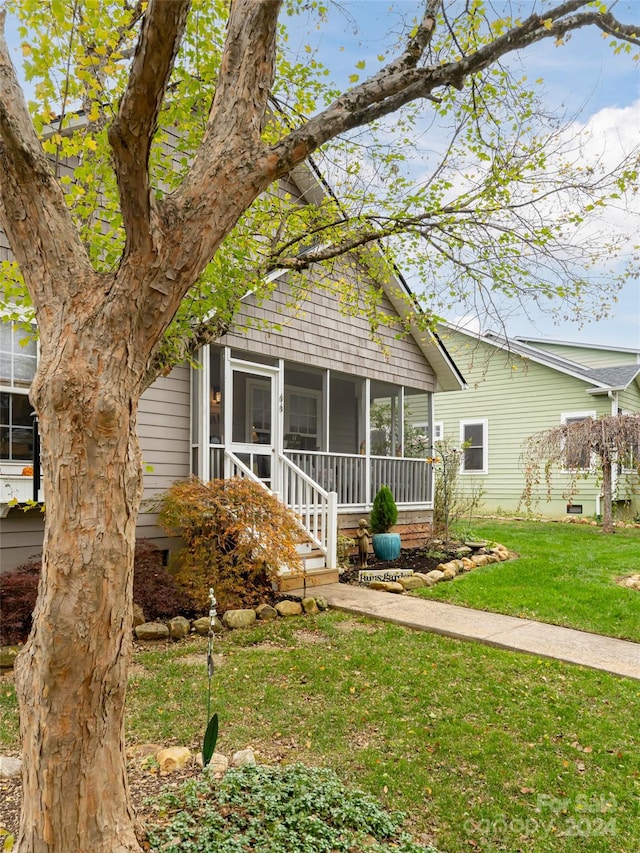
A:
(582, 80)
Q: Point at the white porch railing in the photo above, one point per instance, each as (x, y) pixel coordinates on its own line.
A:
(408, 479)
(356, 478)
(314, 507)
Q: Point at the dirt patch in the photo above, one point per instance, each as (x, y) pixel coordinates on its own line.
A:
(310, 637)
(351, 625)
(201, 660)
(630, 582)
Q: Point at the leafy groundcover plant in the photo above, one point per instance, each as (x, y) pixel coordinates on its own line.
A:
(291, 809)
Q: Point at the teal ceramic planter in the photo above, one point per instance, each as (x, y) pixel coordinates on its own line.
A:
(386, 546)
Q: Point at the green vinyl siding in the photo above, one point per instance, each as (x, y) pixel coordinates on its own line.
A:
(589, 356)
(629, 400)
(517, 397)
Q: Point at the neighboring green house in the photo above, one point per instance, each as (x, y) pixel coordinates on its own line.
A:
(518, 387)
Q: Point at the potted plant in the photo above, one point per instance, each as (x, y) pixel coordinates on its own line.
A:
(384, 515)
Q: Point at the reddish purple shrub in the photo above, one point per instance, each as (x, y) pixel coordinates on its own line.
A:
(154, 587)
(18, 593)
(154, 590)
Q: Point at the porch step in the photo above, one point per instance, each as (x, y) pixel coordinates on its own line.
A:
(312, 558)
(314, 578)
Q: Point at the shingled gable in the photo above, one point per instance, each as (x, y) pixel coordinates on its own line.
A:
(318, 329)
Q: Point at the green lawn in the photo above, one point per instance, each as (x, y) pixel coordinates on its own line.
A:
(565, 575)
(483, 749)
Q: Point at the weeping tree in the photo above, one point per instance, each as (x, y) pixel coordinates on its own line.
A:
(584, 448)
(143, 191)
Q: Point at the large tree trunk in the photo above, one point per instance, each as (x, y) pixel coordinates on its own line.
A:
(71, 676)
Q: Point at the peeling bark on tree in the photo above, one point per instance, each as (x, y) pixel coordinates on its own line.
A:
(71, 677)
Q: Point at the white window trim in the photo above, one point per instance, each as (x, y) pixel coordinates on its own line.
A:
(313, 393)
(485, 446)
(438, 429)
(14, 317)
(622, 470)
(582, 416)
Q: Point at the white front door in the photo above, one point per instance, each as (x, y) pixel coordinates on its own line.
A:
(254, 418)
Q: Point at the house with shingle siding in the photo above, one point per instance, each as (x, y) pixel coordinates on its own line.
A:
(285, 398)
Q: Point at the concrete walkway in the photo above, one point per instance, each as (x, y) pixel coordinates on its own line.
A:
(618, 657)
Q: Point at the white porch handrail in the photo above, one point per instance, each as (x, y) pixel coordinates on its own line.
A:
(234, 467)
(316, 509)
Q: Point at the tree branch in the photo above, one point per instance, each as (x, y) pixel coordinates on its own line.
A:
(402, 81)
(132, 131)
(33, 212)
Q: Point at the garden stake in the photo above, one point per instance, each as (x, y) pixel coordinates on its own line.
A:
(211, 734)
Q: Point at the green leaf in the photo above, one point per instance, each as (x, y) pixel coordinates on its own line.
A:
(210, 740)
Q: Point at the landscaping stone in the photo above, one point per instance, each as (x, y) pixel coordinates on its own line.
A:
(412, 582)
(289, 608)
(173, 758)
(393, 586)
(463, 551)
(138, 751)
(480, 559)
(138, 616)
(218, 765)
(436, 575)
(322, 603)
(310, 607)
(426, 580)
(467, 564)
(201, 626)
(239, 618)
(449, 574)
(242, 757)
(8, 655)
(179, 628)
(152, 631)
(10, 767)
(266, 612)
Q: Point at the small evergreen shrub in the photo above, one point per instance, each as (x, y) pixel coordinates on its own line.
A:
(154, 590)
(237, 536)
(291, 809)
(384, 512)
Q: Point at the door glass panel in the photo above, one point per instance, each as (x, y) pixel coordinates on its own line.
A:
(260, 411)
(252, 415)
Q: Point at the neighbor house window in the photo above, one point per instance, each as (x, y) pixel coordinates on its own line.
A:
(473, 439)
(575, 456)
(417, 441)
(630, 460)
(18, 357)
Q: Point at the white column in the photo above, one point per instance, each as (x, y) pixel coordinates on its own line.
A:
(202, 379)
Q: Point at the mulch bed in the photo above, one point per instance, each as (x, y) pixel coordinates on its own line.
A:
(415, 559)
